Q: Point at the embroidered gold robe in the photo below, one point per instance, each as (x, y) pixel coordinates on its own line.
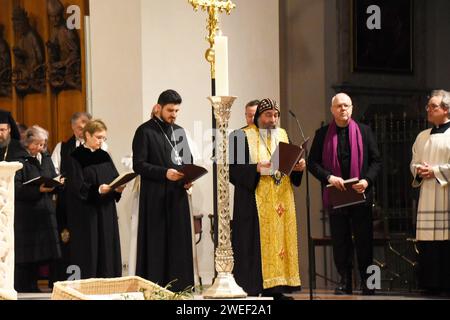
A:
(264, 220)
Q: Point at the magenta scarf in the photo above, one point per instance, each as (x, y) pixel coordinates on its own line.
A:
(330, 155)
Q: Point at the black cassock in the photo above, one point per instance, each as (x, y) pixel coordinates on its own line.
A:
(245, 234)
(35, 233)
(60, 268)
(13, 152)
(36, 236)
(164, 247)
(92, 217)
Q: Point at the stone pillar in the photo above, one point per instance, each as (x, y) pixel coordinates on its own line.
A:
(7, 172)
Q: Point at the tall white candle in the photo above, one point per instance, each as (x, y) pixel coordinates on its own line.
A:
(221, 48)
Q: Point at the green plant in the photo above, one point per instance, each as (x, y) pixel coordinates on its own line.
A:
(164, 293)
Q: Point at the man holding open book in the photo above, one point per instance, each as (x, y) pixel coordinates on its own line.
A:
(264, 219)
(164, 242)
(344, 150)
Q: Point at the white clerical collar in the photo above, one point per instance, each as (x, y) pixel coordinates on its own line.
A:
(78, 142)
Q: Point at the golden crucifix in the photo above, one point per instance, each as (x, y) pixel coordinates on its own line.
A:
(224, 285)
(213, 7)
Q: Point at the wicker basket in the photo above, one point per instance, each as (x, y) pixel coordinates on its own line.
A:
(81, 289)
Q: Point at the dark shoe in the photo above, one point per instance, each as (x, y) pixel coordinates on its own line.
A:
(281, 296)
(365, 291)
(342, 290)
(344, 287)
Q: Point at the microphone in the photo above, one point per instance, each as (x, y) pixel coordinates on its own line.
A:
(308, 213)
(298, 124)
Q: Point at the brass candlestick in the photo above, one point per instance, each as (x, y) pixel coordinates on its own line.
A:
(213, 7)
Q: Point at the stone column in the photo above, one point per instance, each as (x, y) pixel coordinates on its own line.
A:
(7, 172)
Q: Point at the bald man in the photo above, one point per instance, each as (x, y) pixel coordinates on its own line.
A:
(346, 149)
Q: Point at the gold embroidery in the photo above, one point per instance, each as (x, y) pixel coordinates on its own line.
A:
(282, 254)
(277, 218)
(280, 210)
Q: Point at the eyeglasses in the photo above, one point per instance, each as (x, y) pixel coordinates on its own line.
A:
(100, 138)
(432, 107)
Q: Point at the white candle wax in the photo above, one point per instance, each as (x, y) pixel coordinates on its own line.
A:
(221, 48)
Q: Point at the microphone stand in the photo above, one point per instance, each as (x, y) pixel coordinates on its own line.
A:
(308, 212)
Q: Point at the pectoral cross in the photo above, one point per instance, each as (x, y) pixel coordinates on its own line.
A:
(213, 7)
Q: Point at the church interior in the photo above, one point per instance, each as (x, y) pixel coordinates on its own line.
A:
(117, 56)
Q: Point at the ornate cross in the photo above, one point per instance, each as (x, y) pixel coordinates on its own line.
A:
(213, 7)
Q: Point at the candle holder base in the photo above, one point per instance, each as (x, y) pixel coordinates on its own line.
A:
(6, 294)
(224, 287)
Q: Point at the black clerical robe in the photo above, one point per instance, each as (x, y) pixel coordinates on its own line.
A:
(92, 217)
(59, 272)
(164, 247)
(35, 233)
(13, 152)
(246, 233)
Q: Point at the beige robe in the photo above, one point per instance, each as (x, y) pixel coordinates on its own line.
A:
(433, 208)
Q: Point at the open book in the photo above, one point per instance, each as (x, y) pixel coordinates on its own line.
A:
(192, 172)
(122, 179)
(48, 182)
(286, 156)
(349, 197)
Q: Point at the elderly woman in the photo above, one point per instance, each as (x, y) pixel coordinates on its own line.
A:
(36, 236)
(92, 215)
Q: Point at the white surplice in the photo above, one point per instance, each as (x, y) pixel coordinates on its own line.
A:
(433, 207)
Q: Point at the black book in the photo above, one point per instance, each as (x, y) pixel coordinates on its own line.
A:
(192, 172)
(48, 182)
(286, 156)
(122, 179)
(349, 197)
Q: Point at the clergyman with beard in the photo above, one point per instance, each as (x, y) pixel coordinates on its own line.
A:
(264, 220)
(10, 148)
(160, 149)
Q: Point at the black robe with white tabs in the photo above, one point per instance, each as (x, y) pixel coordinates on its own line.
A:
(92, 217)
(164, 250)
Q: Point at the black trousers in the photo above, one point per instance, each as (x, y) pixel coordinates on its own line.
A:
(26, 277)
(434, 265)
(58, 268)
(351, 221)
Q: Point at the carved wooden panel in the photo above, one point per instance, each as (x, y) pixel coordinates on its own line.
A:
(43, 91)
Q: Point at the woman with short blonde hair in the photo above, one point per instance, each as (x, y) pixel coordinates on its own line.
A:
(92, 214)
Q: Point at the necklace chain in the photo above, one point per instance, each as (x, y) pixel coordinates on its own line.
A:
(173, 146)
